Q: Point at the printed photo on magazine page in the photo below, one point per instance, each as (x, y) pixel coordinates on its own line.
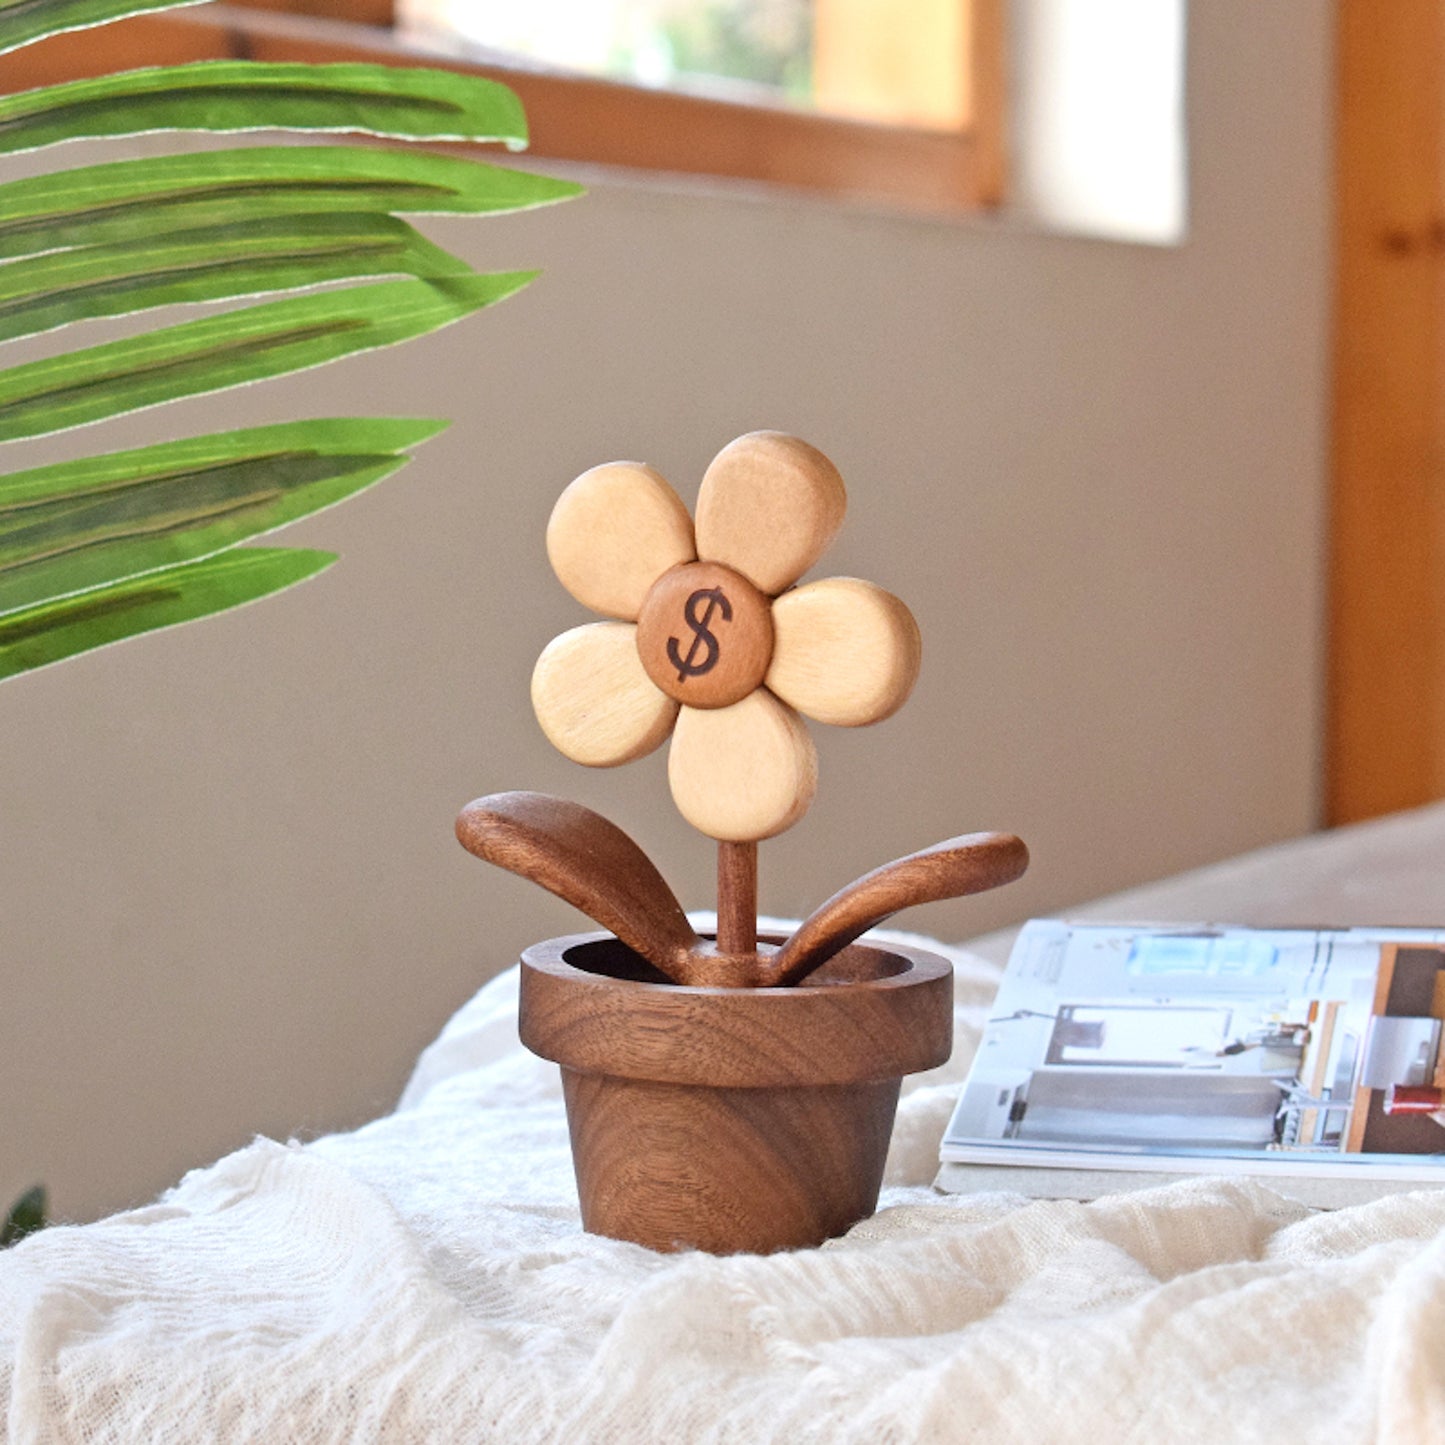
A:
(1212, 1049)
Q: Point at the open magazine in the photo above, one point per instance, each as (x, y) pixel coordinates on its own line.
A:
(1117, 1055)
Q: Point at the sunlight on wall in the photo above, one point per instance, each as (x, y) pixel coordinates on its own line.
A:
(757, 50)
(1098, 118)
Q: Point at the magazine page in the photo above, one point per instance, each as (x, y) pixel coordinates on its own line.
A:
(1174, 1050)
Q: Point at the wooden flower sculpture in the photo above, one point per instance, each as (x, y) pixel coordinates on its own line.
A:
(709, 641)
(732, 1112)
(713, 643)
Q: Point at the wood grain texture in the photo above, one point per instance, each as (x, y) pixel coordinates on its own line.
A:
(731, 1120)
(844, 651)
(594, 1004)
(737, 900)
(742, 773)
(1385, 745)
(727, 1171)
(613, 532)
(591, 863)
(769, 506)
(705, 635)
(594, 700)
(973, 863)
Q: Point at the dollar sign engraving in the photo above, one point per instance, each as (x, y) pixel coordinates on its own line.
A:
(691, 665)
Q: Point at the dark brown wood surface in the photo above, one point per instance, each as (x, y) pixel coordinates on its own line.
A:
(578, 855)
(868, 1013)
(770, 1169)
(954, 868)
(737, 899)
(731, 1119)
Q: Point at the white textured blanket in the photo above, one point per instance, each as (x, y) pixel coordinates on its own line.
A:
(426, 1279)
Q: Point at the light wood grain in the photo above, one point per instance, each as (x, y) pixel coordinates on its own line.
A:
(733, 1119)
(613, 532)
(844, 651)
(594, 700)
(744, 772)
(705, 635)
(769, 506)
(1385, 745)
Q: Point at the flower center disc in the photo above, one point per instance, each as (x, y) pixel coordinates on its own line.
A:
(705, 634)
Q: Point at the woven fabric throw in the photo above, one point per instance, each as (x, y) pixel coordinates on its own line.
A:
(426, 1279)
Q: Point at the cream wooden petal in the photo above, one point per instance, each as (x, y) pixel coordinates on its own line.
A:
(593, 699)
(769, 506)
(743, 772)
(613, 533)
(844, 651)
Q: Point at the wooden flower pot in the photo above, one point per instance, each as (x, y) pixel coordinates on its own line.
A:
(731, 1119)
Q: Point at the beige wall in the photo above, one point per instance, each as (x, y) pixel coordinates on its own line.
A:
(230, 900)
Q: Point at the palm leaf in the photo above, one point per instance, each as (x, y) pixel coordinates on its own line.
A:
(60, 629)
(242, 95)
(133, 200)
(24, 1217)
(99, 549)
(210, 264)
(236, 347)
(74, 526)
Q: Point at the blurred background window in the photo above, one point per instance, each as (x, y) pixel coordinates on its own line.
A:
(902, 63)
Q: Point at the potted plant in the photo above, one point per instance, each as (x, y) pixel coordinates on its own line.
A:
(724, 1092)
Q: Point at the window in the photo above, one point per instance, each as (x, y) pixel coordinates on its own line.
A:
(896, 64)
(897, 103)
(758, 51)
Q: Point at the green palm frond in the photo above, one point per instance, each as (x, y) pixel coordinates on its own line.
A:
(25, 1216)
(102, 548)
(240, 95)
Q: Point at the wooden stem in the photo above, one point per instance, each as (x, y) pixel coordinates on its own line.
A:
(737, 899)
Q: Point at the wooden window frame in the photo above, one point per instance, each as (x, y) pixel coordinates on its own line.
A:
(592, 121)
(1385, 736)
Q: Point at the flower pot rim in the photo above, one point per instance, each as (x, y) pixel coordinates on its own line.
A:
(919, 962)
(844, 1032)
